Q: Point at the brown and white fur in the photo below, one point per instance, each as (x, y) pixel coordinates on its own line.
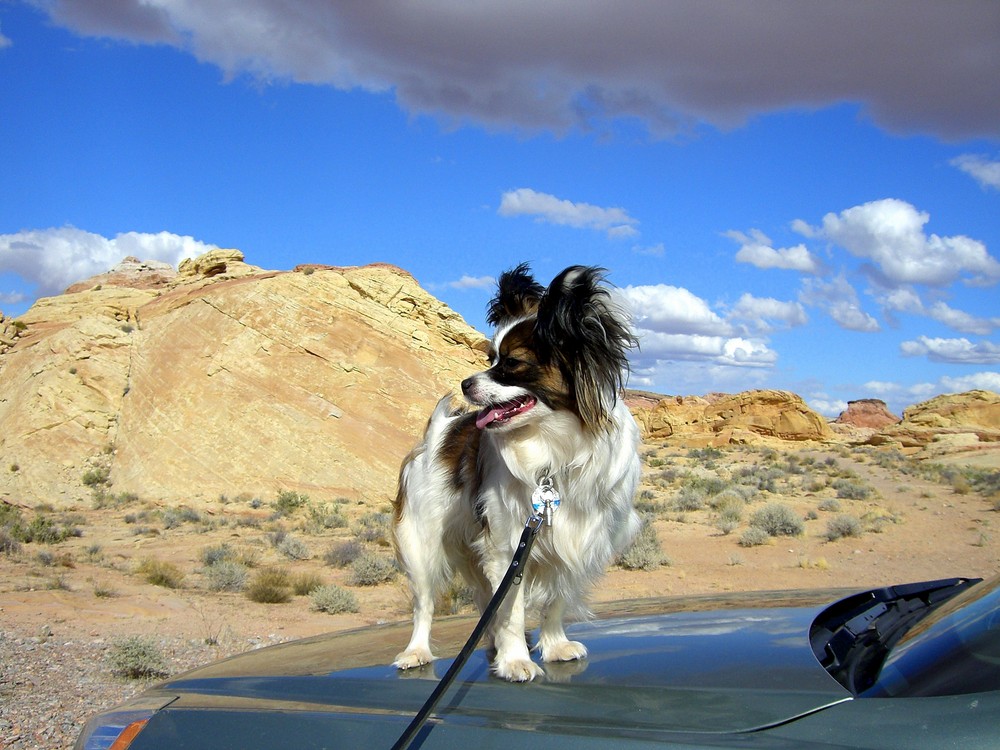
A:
(548, 406)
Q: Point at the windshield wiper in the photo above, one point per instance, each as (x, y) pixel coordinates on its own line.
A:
(852, 638)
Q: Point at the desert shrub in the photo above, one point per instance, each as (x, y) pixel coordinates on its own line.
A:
(373, 527)
(690, 498)
(305, 583)
(759, 478)
(726, 526)
(108, 500)
(161, 573)
(226, 575)
(707, 455)
(842, 525)
(136, 657)
(851, 489)
(44, 531)
(103, 590)
(371, 569)
(293, 548)
(455, 597)
(777, 519)
(647, 503)
(830, 505)
(754, 537)
(342, 554)
(288, 502)
(215, 554)
(325, 517)
(270, 586)
(10, 515)
(333, 600)
(9, 545)
(730, 507)
(645, 552)
(96, 477)
(174, 517)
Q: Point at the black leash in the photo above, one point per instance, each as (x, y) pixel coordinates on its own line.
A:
(511, 577)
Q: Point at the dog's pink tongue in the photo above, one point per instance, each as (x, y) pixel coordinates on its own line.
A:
(486, 416)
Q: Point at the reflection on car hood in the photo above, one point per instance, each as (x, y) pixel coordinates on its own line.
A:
(723, 671)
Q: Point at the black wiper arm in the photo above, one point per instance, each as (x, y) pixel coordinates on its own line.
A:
(852, 637)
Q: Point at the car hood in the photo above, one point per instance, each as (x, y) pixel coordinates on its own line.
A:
(733, 670)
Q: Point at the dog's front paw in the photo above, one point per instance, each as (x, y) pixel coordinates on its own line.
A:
(517, 670)
(564, 651)
(414, 657)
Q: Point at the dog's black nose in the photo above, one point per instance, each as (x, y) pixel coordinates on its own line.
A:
(467, 385)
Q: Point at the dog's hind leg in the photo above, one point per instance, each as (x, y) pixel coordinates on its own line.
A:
(422, 560)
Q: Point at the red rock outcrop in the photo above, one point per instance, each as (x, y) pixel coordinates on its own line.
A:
(868, 413)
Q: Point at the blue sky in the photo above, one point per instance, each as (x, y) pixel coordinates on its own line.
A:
(788, 196)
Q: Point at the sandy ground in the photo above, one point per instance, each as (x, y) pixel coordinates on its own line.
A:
(72, 590)
(64, 606)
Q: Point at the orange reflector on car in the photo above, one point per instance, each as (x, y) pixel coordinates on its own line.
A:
(128, 734)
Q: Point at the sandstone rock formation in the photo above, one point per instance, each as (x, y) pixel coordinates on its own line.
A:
(974, 414)
(722, 419)
(225, 379)
(867, 412)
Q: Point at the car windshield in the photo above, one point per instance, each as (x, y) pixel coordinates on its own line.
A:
(954, 650)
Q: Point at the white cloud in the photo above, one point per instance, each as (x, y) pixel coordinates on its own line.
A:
(982, 169)
(675, 325)
(986, 381)
(673, 310)
(890, 233)
(53, 259)
(527, 202)
(840, 300)
(655, 251)
(560, 65)
(657, 348)
(905, 299)
(11, 298)
(472, 282)
(900, 395)
(962, 321)
(757, 250)
(761, 311)
(826, 406)
(954, 351)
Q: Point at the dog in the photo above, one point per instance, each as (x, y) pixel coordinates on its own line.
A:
(547, 418)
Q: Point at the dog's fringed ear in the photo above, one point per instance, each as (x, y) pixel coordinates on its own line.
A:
(589, 336)
(517, 296)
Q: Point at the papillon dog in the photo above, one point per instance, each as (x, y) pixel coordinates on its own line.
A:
(548, 421)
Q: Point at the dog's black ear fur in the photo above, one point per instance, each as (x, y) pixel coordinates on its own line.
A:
(517, 296)
(588, 336)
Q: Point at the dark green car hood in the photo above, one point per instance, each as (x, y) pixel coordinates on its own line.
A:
(727, 671)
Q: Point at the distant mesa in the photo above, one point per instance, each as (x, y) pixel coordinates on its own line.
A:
(867, 412)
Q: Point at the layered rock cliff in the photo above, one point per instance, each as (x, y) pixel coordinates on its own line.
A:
(722, 419)
(223, 378)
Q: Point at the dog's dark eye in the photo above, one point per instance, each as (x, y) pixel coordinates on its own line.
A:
(511, 364)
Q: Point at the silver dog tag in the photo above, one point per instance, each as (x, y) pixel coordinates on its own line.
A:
(545, 499)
